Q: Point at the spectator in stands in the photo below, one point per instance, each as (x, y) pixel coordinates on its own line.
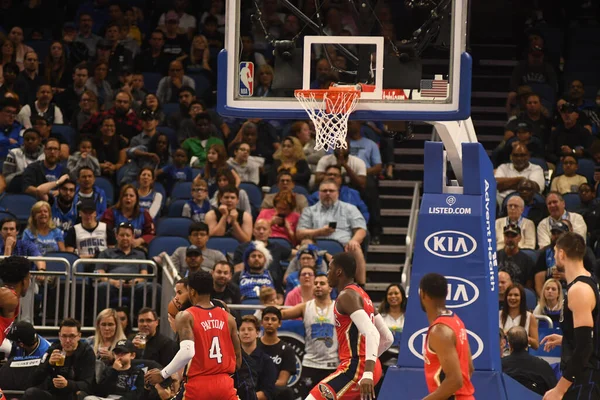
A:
(41, 176)
(42, 231)
(197, 146)
(186, 23)
(393, 309)
(290, 156)
(307, 254)
(550, 302)
(533, 210)
(530, 371)
(111, 50)
(285, 183)
(124, 250)
(42, 106)
(26, 342)
(514, 313)
(569, 138)
(305, 291)
(185, 97)
(126, 120)
(20, 158)
(264, 81)
(223, 288)
(590, 109)
(228, 219)
(225, 178)
(515, 207)
(523, 135)
(84, 158)
(198, 62)
(282, 217)
(99, 85)
(280, 352)
(247, 170)
(69, 100)
(198, 236)
(29, 79)
(88, 106)
(193, 259)
(255, 274)
(150, 199)
(589, 209)
(535, 119)
(512, 259)
(89, 237)
(64, 205)
(127, 210)
(176, 43)
(176, 171)
(10, 71)
(509, 175)
(85, 34)
(278, 253)
(57, 70)
(86, 176)
(158, 347)
(150, 102)
(212, 30)
(354, 168)
(216, 159)
(107, 333)
(75, 376)
(110, 147)
(17, 37)
(248, 53)
(44, 127)
(504, 282)
(185, 120)
(169, 86)
(556, 208)
(569, 181)
(154, 59)
(9, 128)
(301, 130)
(261, 371)
(121, 379)
(7, 54)
(199, 205)
(262, 138)
(124, 319)
(347, 194)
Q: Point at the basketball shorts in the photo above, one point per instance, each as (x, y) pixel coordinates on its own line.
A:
(343, 383)
(210, 387)
(586, 389)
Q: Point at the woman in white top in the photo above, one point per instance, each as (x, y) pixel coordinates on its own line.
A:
(150, 199)
(393, 308)
(551, 302)
(514, 313)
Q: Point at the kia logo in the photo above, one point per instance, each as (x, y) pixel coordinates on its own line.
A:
(450, 244)
(417, 341)
(461, 292)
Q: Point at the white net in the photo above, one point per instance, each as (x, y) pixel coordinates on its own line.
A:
(329, 110)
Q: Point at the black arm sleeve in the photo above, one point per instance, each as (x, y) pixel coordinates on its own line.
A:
(583, 350)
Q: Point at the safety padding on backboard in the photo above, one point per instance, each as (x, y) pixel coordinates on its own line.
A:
(455, 237)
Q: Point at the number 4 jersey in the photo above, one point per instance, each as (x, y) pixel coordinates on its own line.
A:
(214, 353)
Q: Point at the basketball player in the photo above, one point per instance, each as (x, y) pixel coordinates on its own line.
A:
(359, 329)
(580, 323)
(209, 339)
(448, 363)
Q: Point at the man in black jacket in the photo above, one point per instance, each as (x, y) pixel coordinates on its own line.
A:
(157, 347)
(67, 369)
(45, 171)
(257, 376)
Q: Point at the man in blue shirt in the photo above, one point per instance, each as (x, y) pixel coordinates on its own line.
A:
(45, 171)
(9, 128)
(367, 150)
(25, 341)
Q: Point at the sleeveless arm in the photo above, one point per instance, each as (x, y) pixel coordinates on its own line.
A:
(443, 342)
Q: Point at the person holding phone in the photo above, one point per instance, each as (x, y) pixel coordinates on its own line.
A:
(282, 217)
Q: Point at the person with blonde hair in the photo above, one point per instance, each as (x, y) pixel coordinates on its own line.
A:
(290, 156)
(42, 231)
(282, 217)
(107, 333)
(265, 75)
(197, 207)
(551, 300)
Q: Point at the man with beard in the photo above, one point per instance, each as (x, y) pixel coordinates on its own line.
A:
(512, 259)
(509, 175)
(255, 274)
(29, 80)
(223, 288)
(42, 106)
(64, 206)
(42, 176)
(126, 120)
(448, 362)
(186, 96)
(580, 323)
(198, 236)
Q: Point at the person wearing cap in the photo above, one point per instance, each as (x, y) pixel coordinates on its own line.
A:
(90, 237)
(509, 175)
(193, 259)
(121, 378)
(569, 181)
(139, 147)
(255, 274)
(535, 115)
(557, 212)
(515, 206)
(176, 43)
(169, 86)
(25, 341)
(569, 137)
(523, 136)
(512, 259)
(186, 23)
(20, 158)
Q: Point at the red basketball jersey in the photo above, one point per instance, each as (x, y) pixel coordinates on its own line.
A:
(214, 353)
(351, 344)
(434, 374)
(6, 323)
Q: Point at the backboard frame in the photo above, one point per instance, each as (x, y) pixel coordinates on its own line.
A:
(457, 107)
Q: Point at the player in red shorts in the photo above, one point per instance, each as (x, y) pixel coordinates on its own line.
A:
(209, 339)
(448, 363)
(362, 338)
(14, 272)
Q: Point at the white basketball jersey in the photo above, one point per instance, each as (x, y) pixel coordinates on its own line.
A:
(321, 345)
(90, 243)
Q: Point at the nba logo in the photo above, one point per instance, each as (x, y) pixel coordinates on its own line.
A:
(246, 78)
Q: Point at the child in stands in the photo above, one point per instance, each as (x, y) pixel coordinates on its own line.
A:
(178, 171)
(85, 157)
(570, 180)
(197, 208)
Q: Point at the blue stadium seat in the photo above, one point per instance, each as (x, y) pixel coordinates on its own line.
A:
(202, 84)
(151, 80)
(539, 161)
(170, 108)
(223, 244)
(531, 299)
(18, 204)
(173, 226)
(68, 133)
(585, 168)
(254, 194)
(167, 244)
(176, 208)
(531, 253)
(56, 266)
(330, 245)
(6, 214)
(284, 242)
(182, 190)
(196, 172)
(572, 201)
(108, 187)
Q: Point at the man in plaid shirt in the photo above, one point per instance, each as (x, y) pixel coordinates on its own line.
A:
(127, 121)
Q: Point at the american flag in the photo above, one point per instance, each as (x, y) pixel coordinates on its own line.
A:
(434, 88)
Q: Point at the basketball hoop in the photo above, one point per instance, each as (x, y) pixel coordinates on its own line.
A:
(329, 110)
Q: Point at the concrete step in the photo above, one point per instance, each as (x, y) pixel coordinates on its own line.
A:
(492, 123)
(398, 183)
(376, 287)
(388, 212)
(383, 267)
(412, 152)
(387, 248)
(408, 167)
(498, 63)
(490, 95)
(393, 230)
(488, 109)
(395, 197)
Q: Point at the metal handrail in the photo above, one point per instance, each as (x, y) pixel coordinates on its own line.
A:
(410, 235)
(545, 318)
(170, 277)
